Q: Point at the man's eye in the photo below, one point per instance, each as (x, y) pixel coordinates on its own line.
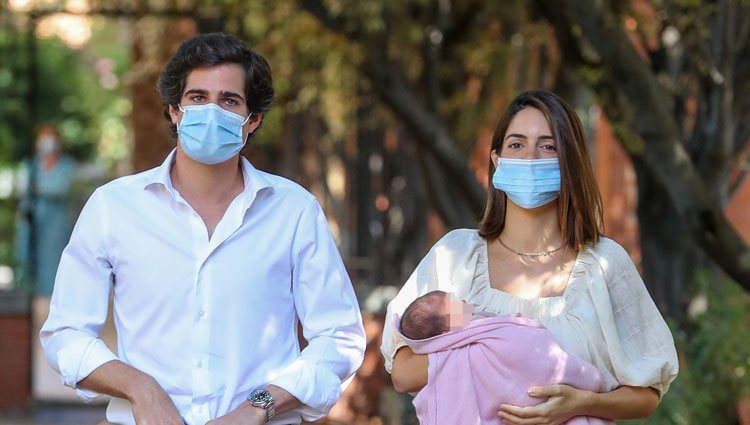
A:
(231, 102)
(198, 99)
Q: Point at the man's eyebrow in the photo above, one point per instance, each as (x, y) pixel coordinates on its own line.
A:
(196, 91)
(225, 93)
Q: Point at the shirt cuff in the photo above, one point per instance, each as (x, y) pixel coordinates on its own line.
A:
(316, 387)
(78, 360)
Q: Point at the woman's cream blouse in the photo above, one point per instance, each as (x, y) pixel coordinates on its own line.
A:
(605, 314)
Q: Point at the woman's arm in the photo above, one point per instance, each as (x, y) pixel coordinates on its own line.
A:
(566, 402)
(623, 403)
(409, 372)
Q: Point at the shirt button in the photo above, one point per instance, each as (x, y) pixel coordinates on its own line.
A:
(202, 313)
(199, 364)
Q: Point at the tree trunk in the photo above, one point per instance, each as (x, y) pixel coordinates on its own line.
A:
(669, 255)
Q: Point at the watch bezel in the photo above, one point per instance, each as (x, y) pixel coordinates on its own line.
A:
(260, 397)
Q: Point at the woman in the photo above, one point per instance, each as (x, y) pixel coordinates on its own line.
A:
(539, 251)
(44, 223)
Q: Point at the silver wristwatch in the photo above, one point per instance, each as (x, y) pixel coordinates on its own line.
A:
(264, 400)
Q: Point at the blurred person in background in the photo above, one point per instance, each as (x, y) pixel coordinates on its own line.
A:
(44, 223)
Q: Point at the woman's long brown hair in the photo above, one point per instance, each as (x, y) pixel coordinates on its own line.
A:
(580, 205)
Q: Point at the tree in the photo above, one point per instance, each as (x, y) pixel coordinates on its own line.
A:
(691, 185)
(696, 54)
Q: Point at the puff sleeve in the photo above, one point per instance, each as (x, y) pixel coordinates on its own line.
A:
(640, 346)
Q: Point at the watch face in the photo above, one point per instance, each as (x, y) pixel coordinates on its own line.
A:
(260, 397)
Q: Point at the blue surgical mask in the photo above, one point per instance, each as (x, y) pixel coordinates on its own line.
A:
(529, 183)
(209, 133)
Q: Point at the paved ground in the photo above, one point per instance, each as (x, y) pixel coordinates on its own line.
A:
(54, 414)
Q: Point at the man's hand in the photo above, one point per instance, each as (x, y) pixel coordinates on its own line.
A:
(245, 414)
(152, 406)
(563, 403)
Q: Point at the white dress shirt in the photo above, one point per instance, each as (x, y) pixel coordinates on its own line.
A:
(210, 319)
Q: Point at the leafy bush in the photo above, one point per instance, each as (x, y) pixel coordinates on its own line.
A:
(714, 351)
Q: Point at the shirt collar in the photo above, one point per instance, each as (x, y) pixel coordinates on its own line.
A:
(254, 179)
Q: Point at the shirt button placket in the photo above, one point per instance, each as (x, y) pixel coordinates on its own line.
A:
(200, 342)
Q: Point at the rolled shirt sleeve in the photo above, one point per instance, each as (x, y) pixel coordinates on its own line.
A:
(78, 310)
(330, 318)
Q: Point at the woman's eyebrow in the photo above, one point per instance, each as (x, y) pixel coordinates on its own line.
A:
(523, 136)
(520, 136)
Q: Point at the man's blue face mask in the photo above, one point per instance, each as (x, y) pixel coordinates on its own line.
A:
(210, 134)
(529, 183)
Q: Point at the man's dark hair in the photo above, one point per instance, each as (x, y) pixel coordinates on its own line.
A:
(215, 49)
(426, 316)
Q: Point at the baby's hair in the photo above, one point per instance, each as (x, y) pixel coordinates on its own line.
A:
(426, 316)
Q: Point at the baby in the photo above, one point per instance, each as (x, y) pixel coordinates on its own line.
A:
(435, 313)
(477, 363)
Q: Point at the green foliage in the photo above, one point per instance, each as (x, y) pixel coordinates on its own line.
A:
(313, 70)
(714, 360)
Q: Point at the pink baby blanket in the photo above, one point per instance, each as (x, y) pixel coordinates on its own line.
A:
(493, 361)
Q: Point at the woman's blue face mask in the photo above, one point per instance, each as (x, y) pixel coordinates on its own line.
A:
(529, 183)
(210, 134)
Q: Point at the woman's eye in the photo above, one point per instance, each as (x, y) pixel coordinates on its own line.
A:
(514, 145)
(551, 148)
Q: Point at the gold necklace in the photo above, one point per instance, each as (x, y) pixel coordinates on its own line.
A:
(530, 254)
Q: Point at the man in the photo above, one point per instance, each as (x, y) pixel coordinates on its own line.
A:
(212, 263)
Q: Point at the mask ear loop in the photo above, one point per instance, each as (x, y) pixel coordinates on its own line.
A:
(247, 119)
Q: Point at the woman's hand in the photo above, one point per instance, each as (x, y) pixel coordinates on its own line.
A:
(564, 402)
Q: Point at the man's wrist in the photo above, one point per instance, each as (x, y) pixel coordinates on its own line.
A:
(256, 414)
(265, 401)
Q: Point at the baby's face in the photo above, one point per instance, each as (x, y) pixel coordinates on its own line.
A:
(459, 312)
